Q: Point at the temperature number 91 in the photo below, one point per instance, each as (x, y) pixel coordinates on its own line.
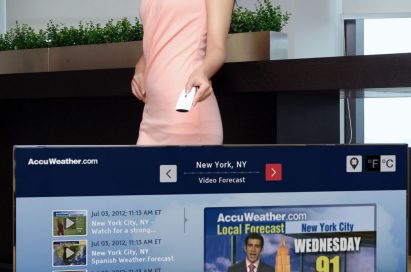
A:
(323, 264)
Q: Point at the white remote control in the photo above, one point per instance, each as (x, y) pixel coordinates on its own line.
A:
(185, 100)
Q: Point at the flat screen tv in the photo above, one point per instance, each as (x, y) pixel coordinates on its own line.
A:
(324, 208)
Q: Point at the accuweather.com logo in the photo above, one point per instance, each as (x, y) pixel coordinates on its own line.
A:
(66, 161)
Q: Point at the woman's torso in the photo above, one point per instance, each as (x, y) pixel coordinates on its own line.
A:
(175, 38)
(174, 42)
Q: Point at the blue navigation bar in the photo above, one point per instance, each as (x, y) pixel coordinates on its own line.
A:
(129, 170)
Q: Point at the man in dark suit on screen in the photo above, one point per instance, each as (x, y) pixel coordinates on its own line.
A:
(254, 244)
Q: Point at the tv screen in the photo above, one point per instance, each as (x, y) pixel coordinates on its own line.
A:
(212, 209)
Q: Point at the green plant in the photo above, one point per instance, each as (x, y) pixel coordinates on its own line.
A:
(243, 20)
(24, 37)
(266, 17)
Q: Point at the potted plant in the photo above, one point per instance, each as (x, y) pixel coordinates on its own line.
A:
(60, 48)
(257, 34)
(58, 35)
(118, 44)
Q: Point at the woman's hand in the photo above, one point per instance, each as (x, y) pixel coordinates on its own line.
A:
(218, 23)
(199, 79)
(137, 86)
(137, 83)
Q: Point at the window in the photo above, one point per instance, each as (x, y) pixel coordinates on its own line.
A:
(387, 120)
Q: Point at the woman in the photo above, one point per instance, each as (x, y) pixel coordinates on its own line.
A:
(184, 46)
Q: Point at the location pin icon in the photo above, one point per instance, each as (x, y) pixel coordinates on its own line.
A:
(354, 162)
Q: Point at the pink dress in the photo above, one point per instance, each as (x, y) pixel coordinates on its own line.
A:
(174, 44)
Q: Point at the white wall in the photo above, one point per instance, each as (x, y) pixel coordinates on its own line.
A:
(37, 13)
(315, 28)
(363, 7)
(2, 16)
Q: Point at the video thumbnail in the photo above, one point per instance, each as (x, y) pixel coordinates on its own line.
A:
(69, 223)
(284, 239)
(67, 253)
